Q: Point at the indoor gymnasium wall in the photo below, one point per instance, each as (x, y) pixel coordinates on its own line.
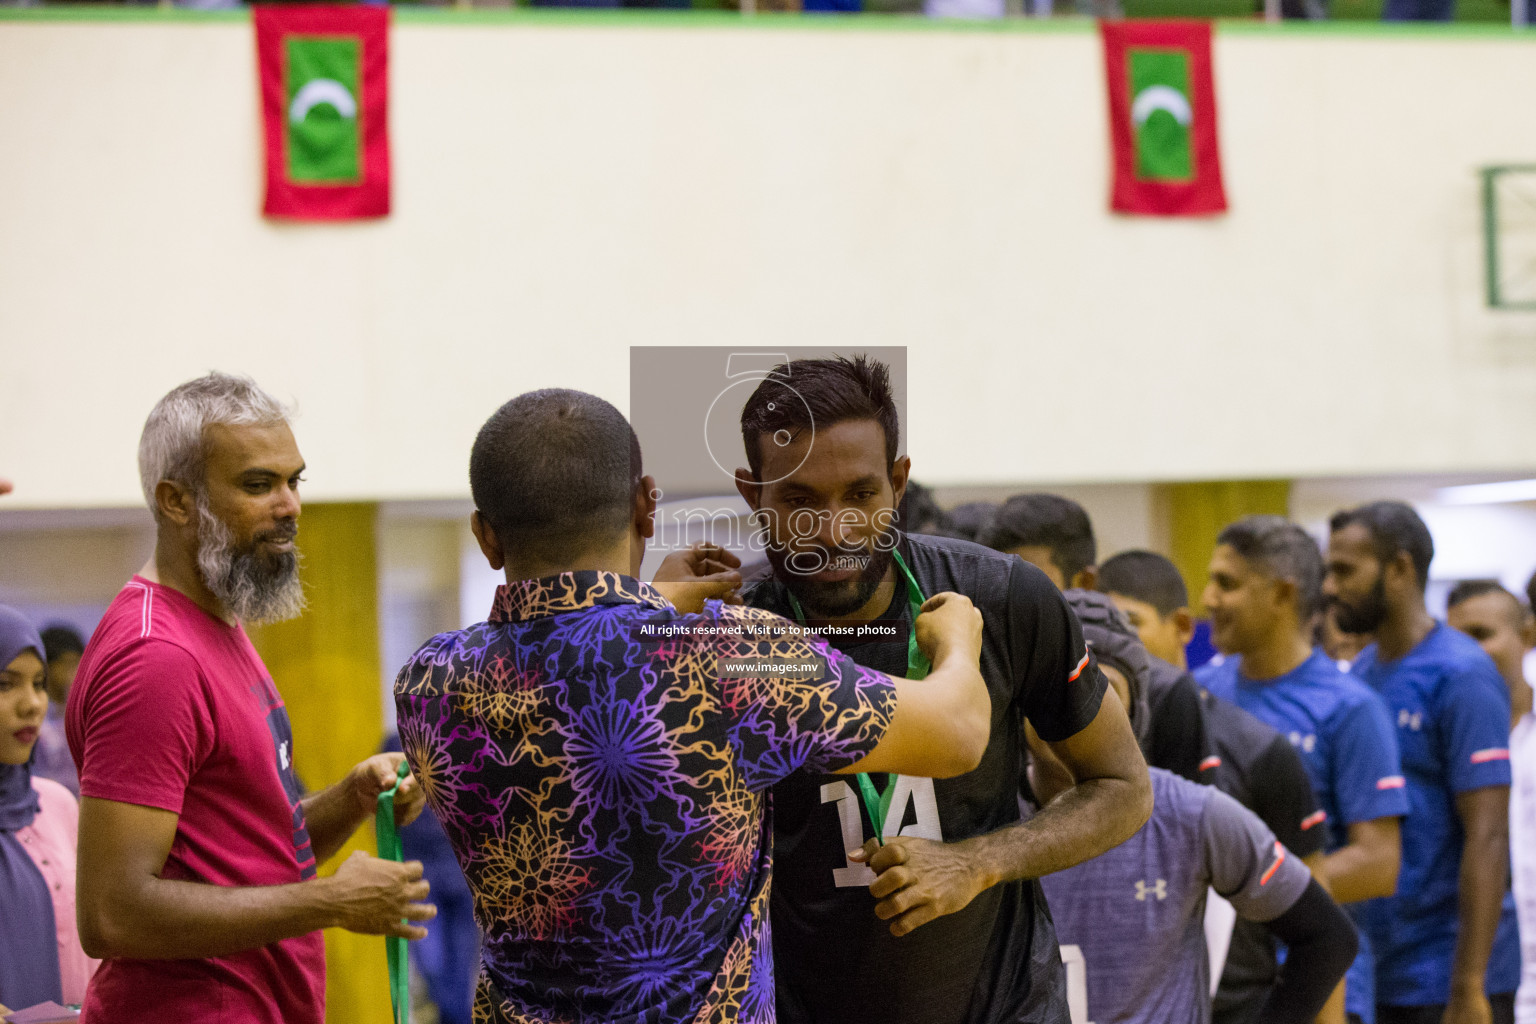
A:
(755, 185)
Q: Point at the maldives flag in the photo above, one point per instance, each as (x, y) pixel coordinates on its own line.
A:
(1162, 118)
(324, 104)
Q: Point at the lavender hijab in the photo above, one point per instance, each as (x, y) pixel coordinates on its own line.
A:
(29, 954)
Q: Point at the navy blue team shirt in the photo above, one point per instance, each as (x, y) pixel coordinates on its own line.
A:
(1451, 710)
(1341, 729)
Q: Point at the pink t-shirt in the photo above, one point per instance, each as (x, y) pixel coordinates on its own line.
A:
(172, 708)
(50, 842)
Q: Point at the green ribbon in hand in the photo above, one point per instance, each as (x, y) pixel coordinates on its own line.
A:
(394, 946)
(876, 803)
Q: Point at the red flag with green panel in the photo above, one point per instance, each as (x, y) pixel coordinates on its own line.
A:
(1162, 118)
(325, 103)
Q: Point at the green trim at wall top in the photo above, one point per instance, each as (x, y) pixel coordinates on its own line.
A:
(589, 18)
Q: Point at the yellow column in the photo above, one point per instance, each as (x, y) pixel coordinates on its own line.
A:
(1197, 512)
(326, 665)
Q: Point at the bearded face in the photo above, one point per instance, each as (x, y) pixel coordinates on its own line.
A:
(257, 585)
(1363, 614)
(827, 510)
(831, 582)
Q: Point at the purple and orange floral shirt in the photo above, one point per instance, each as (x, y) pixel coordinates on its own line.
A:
(604, 789)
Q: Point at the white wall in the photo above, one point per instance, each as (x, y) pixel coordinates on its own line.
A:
(567, 188)
(68, 567)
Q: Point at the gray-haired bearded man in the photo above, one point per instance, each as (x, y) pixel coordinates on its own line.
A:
(197, 852)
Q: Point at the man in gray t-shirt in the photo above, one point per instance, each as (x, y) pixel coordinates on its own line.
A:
(1136, 915)
(1131, 921)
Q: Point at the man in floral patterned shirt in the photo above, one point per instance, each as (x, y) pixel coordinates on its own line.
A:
(599, 755)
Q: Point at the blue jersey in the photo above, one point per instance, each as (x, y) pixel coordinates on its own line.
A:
(1131, 921)
(1452, 715)
(1340, 728)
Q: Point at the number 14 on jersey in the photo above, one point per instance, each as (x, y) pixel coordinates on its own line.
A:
(910, 790)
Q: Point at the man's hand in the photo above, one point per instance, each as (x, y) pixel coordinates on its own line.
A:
(5, 486)
(1468, 1004)
(337, 811)
(918, 880)
(1470, 1008)
(701, 573)
(375, 776)
(948, 624)
(372, 896)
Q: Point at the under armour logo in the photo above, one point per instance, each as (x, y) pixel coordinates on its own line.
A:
(1160, 890)
(1413, 721)
(1307, 743)
(282, 755)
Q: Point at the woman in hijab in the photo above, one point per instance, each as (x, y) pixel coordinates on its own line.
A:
(40, 954)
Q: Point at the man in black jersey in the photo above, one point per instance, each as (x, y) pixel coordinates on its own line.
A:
(944, 923)
(1055, 534)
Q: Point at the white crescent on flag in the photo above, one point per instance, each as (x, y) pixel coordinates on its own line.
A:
(1154, 98)
(327, 90)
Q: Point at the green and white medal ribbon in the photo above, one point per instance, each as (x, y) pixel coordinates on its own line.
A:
(394, 946)
(876, 803)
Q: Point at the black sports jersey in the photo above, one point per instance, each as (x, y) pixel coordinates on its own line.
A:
(1262, 771)
(1177, 739)
(996, 961)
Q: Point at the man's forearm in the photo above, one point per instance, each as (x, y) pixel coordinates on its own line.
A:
(1484, 859)
(1322, 944)
(918, 880)
(1091, 817)
(332, 815)
(1333, 1011)
(1352, 874)
(176, 920)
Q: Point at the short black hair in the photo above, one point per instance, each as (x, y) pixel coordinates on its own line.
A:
(922, 513)
(1394, 526)
(1285, 551)
(804, 394)
(1530, 591)
(61, 639)
(1145, 576)
(554, 472)
(970, 520)
(1466, 590)
(1060, 525)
